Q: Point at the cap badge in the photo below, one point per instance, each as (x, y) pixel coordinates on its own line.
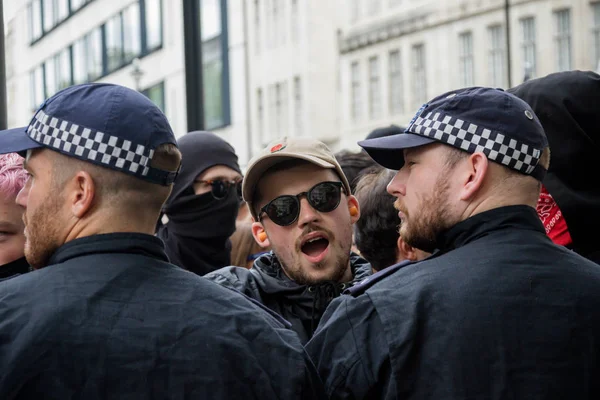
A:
(277, 147)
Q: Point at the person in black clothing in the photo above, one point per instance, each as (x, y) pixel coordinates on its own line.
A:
(12, 237)
(105, 315)
(499, 311)
(303, 209)
(566, 103)
(199, 215)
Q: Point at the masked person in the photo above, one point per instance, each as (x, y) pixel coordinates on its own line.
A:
(498, 311)
(105, 315)
(12, 237)
(199, 216)
(303, 210)
(567, 105)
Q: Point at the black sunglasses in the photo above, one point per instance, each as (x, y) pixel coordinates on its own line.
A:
(220, 188)
(323, 197)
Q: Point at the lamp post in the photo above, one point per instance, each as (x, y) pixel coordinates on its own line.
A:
(137, 73)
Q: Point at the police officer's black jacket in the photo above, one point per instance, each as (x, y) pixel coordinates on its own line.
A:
(499, 313)
(109, 318)
(301, 305)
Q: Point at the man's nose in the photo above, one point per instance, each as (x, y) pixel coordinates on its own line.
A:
(307, 213)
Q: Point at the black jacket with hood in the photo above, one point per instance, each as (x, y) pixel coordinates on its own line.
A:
(567, 105)
(197, 233)
(302, 305)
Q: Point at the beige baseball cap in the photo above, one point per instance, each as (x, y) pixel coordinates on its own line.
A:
(284, 149)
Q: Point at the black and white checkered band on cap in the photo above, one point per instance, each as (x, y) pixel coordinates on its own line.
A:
(473, 138)
(97, 147)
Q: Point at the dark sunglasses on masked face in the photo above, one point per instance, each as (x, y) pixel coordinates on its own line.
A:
(284, 210)
(220, 188)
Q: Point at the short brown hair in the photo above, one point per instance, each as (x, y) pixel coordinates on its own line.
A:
(118, 188)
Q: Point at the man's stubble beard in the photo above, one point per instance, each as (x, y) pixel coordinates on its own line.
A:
(296, 271)
(423, 227)
(43, 233)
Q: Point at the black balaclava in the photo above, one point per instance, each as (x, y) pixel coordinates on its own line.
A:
(197, 234)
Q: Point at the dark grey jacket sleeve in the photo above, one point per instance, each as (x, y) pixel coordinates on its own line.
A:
(237, 278)
(350, 351)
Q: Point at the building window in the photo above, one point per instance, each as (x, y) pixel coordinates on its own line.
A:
(374, 88)
(50, 78)
(154, 26)
(273, 41)
(596, 37)
(54, 12)
(49, 14)
(355, 90)
(77, 4)
(132, 43)
(62, 10)
(113, 31)
(37, 87)
(354, 10)
(419, 75)
(528, 46)
(395, 84)
(257, 25)
(63, 69)
(272, 113)
(260, 114)
(79, 61)
(285, 126)
(496, 56)
(563, 39)
(466, 63)
(278, 110)
(93, 47)
(374, 6)
(215, 64)
(295, 25)
(87, 57)
(34, 11)
(57, 72)
(156, 93)
(298, 109)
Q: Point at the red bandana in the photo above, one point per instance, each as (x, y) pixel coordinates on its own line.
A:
(553, 220)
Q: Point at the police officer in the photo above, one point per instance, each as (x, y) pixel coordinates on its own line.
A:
(105, 316)
(499, 311)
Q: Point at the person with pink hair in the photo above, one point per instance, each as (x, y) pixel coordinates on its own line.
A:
(12, 238)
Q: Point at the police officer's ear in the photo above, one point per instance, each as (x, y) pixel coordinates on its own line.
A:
(260, 235)
(472, 175)
(353, 208)
(80, 193)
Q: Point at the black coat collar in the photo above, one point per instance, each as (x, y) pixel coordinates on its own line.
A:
(128, 243)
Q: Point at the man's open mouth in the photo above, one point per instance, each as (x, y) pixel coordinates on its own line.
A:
(314, 245)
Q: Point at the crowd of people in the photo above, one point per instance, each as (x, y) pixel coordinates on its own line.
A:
(448, 259)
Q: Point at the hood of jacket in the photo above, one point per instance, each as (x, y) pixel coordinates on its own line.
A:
(567, 105)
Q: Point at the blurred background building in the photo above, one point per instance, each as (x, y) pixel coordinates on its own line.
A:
(261, 69)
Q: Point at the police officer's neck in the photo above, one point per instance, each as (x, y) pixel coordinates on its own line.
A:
(98, 223)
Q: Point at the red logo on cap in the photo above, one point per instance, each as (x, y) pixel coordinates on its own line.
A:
(277, 147)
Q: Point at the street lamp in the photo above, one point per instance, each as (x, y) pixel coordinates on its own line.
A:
(137, 73)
